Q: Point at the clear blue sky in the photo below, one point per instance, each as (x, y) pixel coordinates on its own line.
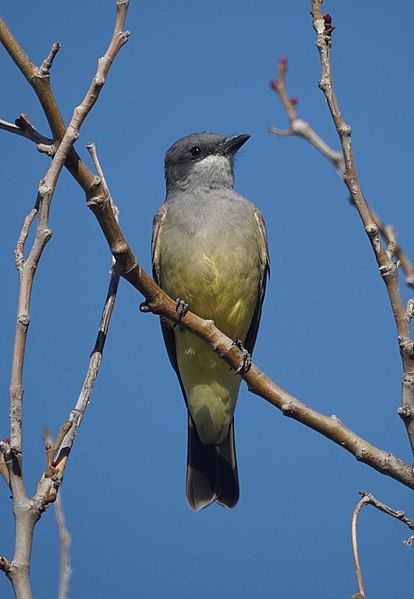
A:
(327, 332)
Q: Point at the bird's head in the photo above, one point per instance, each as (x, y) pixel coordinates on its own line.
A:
(202, 160)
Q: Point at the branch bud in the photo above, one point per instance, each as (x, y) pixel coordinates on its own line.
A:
(273, 84)
(294, 100)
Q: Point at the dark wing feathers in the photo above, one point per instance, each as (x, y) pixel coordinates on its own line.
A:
(265, 268)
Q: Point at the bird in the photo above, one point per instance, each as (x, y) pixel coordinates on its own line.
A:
(210, 251)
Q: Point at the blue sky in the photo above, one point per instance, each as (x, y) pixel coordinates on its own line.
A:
(327, 333)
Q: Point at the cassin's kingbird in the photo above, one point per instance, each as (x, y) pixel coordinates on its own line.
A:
(209, 249)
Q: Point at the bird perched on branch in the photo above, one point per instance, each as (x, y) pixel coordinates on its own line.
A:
(209, 249)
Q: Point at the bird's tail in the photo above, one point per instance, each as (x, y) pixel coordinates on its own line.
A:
(211, 471)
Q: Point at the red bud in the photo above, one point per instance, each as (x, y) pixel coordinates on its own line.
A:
(327, 18)
(274, 84)
(283, 60)
(294, 100)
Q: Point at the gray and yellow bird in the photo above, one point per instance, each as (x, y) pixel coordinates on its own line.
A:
(209, 249)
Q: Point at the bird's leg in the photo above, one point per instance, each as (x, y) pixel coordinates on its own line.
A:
(181, 308)
(246, 360)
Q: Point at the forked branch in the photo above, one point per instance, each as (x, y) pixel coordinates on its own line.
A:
(388, 269)
(301, 128)
(27, 511)
(368, 498)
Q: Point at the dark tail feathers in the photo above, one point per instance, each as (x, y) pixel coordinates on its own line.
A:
(211, 471)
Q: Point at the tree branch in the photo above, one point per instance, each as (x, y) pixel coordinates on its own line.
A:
(387, 268)
(27, 512)
(368, 498)
(300, 128)
(65, 538)
(22, 127)
(65, 541)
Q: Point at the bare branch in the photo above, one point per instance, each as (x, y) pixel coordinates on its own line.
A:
(299, 127)
(23, 127)
(358, 568)
(65, 539)
(387, 268)
(302, 129)
(41, 85)
(48, 486)
(26, 511)
(19, 250)
(5, 565)
(92, 151)
(48, 61)
(368, 498)
(77, 414)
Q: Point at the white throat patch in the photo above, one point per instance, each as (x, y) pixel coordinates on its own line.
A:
(213, 170)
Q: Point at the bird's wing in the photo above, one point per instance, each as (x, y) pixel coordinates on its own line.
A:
(156, 226)
(265, 270)
(167, 331)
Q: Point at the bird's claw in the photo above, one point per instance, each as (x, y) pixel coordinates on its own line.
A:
(246, 360)
(144, 307)
(181, 308)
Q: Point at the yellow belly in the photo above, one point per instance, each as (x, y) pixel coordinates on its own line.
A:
(211, 388)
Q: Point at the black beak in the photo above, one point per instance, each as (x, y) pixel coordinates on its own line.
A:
(231, 144)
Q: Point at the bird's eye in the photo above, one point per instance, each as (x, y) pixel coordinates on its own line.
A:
(195, 151)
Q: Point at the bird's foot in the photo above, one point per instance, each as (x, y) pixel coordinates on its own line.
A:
(144, 307)
(246, 360)
(181, 308)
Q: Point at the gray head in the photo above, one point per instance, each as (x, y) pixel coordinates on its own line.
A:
(202, 160)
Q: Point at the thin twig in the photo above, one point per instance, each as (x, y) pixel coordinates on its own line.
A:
(300, 128)
(65, 538)
(368, 498)
(77, 414)
(48, 486)
(358, 568)
(66, 442)
(91, 147)
(19, 250)
(48, 61)
(22, 127)
(65, 541)
(387, 268)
